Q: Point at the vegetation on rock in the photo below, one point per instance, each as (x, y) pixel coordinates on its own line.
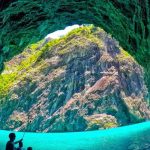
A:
(82, 81)
(25, 22)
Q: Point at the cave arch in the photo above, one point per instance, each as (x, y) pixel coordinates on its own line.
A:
(25, 22)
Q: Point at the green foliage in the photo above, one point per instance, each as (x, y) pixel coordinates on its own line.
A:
(22, 65)
(15, 71)
(6, 82)
(97, 124)
(110, 125)
(124, 55)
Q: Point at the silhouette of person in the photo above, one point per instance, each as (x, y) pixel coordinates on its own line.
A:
(29, 148)
(20, 146)
(11, 144)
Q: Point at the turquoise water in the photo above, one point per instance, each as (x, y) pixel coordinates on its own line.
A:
(133, 137)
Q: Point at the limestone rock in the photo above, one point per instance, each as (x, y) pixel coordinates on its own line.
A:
(83, 81)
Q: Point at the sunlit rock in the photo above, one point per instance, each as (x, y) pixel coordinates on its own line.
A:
(82, 81)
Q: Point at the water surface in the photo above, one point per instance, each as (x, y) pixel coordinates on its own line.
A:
(133, 137)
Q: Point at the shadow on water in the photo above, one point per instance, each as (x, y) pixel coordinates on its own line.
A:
(133, 137)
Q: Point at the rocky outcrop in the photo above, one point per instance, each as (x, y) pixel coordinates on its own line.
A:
(83, 81)
(26, 22)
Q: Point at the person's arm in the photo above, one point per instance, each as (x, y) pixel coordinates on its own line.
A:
(18, 141)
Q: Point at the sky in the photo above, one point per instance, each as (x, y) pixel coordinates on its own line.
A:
(59, 33)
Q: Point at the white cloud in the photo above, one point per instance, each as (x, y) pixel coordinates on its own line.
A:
(59, 33)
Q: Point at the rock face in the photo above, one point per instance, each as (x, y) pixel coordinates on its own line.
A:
(25, 22)
(83, 81)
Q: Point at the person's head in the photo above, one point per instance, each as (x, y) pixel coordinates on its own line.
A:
(12, 136)
(20, 144)
(29, 148)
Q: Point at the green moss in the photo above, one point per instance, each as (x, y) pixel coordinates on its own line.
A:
(97, 124)
(6, 82)
(25, 63)
(17, 71)
(124, 56)
(110, 125)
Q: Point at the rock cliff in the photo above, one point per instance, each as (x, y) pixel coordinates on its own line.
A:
(83, 81)
(23, 22)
